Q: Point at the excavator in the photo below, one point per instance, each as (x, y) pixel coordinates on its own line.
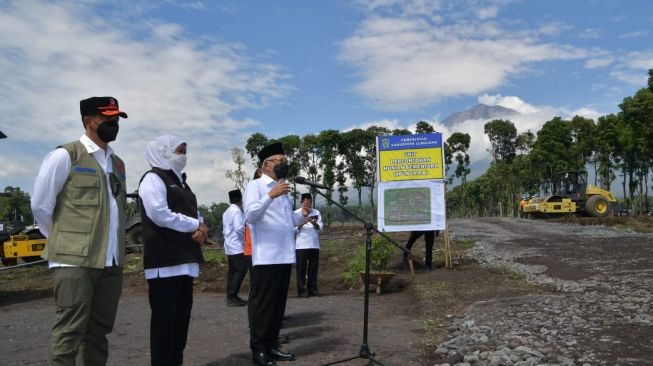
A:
(571, 195)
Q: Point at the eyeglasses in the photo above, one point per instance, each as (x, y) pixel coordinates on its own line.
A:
(116, 186)
(281, 160)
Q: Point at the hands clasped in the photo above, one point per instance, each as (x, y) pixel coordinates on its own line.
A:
(199, 236)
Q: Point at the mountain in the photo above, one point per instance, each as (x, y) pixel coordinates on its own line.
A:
(480, 112)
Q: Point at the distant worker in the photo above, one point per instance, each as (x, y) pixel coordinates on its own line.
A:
(173, 231)
(307, 247)
(79, 204)
(233, 224)
(522, 203)
(429, 239)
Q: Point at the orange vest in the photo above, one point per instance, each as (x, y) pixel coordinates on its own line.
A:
(248, 241)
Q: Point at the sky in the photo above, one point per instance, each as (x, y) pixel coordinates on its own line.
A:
(215, 72)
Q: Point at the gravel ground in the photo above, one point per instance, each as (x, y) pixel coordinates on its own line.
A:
(600, 315)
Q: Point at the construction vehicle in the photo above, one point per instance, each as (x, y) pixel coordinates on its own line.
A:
(18, 241)
(27, 243)
(133, 226)
(571, 195)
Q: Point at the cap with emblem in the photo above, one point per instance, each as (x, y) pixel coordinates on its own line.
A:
(107, 106)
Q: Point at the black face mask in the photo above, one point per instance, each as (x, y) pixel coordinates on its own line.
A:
(281, 170)
(107, 131)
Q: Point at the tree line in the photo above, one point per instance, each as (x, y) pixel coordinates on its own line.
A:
(615, 148)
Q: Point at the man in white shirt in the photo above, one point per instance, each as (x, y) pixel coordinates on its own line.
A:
(272, 221)
(307, 247)
(233, 229)
(79, 204)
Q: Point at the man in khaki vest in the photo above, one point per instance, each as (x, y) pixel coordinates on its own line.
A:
(79, 204)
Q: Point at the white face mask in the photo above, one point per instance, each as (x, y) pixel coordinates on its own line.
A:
(178, 161)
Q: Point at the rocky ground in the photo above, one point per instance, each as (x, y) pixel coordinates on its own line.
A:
(600, 314)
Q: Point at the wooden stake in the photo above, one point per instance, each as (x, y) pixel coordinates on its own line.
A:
(448, 263)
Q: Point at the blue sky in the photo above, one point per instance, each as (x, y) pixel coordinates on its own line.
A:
(214, 72)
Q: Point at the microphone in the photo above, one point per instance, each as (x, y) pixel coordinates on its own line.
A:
(302, 180)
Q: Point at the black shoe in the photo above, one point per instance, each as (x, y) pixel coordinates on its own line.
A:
(263, 359)
(302, 294)
(314, 293)
(280, 355)
(236, 301)
(283, 339)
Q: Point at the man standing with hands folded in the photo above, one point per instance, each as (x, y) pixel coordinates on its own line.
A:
(272, 221)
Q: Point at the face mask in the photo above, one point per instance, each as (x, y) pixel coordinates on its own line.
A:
(107, 131)
(281, 170)
(178, 161)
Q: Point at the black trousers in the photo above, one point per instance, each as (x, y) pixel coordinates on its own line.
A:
(171, 301)
(238, 265)
(429, 238)
(267, 304)
(307, 261)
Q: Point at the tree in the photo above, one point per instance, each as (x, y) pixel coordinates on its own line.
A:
(213, 218)
(329, 141)
(15, 205)
(291, 145)
(341, 178)
(237, 175)
(255, 143)
(458, 144)
(423, 127)
(352, 150)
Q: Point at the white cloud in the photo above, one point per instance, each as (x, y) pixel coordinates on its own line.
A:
(405, 62)
(512, 102)
(595, 63)
(487, 12)
(591, 33)
(390, 124)
(633, 67)
(635, 34)
(166, 81)
(586, 112)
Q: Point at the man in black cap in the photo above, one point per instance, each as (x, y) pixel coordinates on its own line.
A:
(233, 224)
(272, 221)
(79, 203)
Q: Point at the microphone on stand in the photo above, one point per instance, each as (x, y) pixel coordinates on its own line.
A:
(302, 180)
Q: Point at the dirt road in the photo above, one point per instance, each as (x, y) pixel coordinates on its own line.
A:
(598, 311)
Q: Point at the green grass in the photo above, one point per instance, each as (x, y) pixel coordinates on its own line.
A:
(215, 256)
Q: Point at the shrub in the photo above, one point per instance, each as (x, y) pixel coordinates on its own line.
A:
(382, 252)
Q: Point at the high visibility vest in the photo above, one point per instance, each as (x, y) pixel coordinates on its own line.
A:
(248, 242)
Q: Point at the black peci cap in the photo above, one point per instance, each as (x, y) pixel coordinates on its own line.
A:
(270, 150)
(235, 196)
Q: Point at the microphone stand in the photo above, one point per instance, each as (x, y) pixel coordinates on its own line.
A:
(364, 351)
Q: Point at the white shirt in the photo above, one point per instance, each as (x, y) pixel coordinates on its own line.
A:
(307, 235)
(233, 230)
(272, 223)
(153, 194)
(50, 181)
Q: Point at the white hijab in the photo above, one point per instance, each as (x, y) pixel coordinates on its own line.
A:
(160, 151)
